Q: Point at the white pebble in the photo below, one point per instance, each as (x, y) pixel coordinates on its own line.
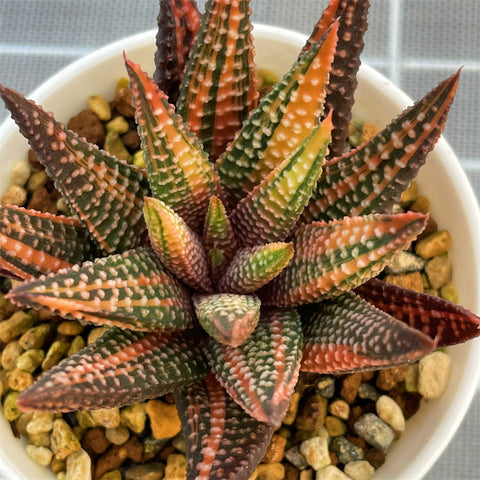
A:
(331, 473)
(40, 455)
(315, 451)
(390, 412)
(79, 466)
(359, 470)
(433, 374)
(20, 174)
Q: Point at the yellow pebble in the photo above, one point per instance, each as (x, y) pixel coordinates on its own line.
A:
(163, 419)
(270, 471)
(100, 107)
(176, 467)
(15, 195)
(435, 244)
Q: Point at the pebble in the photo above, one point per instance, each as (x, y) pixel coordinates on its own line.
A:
(412, 280)
(292, 409)
(70, 328)
(17, 324)
(164, 419)
(315, 452)
(405, 262)
(389, 377)
(40, 455)
(339, 408)
(117, 435)
(411, 378)
(331, 473)
(361, 470)
(37, 181)
(275, 450)
(176, 467)
(326, 386)
(41, 422)
(10, 355)
(313, 413)
(96, 333)
(439, 271)
(435, 244)
(58, 349)
(149, 471)
(79, 466)
(306, 475)
(350, 386)
(335, 426)
(295, 457)
(30, 360)
(368, 392)
(112, 475)
(15, 195)
(107, 417)
(63, 440)
(270, 471)
(390, 412)
(433, 374)
(374, 431)
(345, 450)
(20, 173)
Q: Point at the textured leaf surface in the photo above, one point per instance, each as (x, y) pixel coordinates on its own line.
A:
(222, 440)
(340, 255)
(227, 317)
(272, 209)
(179, 248)
(178, 21)
(282, 121)
(372, 178)
(440, 319)
(219, 87)
(120, 368)
(178, 169)
(130, 290)
(218, 238)
(105, 193)
(343, 78)
(34, 243)
(261, 374)
(254, 267)
(347, 334)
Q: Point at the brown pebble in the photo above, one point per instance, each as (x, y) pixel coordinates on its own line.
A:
(367, 376)
(389, 377)
(34, 162)
(131, 140)
(312, 413)
(375, 457)
(122, 103)
(412, 281)
(42, 201)
(350, 385)
(291, 472)
(95, 441)
(333, 458)
(166, 452)
(134, 449)
(89, 126)
(430, 228)
(111, 460)
(358, 441)
(274, 453)
(70, 328)
(355, 413)
(409, 402)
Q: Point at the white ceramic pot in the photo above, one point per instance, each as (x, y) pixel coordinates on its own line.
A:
(378, 101)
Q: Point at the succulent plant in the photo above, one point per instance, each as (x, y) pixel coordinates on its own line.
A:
(248, 249)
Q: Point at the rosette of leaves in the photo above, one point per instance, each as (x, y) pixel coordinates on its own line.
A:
(248, 248)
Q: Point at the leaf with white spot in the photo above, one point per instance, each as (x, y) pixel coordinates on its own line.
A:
(120, 368)
(130, 290)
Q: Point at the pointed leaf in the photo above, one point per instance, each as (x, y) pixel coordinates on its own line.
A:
(343, 78)
(227, 317)
(105, 193)
(218, 238)
(179, 248)
(261, 374)
(254, 267)
(130, 290)
(371, 179)
(272, 209)
(440, 319)
(282, 121)
(178, 170)
(219, 87)
(333, 257)
(34, 243)
(347, 334)
(178, 21)
(222, 440)
(120, 368)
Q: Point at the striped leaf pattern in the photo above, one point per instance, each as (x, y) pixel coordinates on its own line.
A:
(180, 249)
(272, 209)
(219, 88)
(105, 193)
(343, 78)
(179, 172)
(371, 178)
(218, 238)
(120, 368)
(226, 317)
(34, 243)
(178, 21)
(222, 440)
(443, 321)
(281, 122)
(129, 290)
(260, 375)
(333, 257)
(346, 334)
(254, 267)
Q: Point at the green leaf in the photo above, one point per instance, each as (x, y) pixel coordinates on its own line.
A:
(371, 178)
(179, 248)
(260, 375)
(105, 193)
(346, 334)
(254, 267)
(34, 243)
(222, 440)
(282, 121)
(443, 321)
(178, 21)
(178, 169)
(272, 209)
(131, 290)
(219, 88)
(120, 368)
(334, 257)
(226, 317)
